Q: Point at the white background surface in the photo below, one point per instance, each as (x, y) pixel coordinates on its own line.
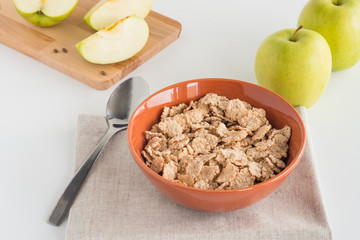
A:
(39, 107)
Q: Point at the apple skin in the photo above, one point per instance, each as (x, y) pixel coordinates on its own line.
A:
(42, 20)
(297, 70)
(339, 25)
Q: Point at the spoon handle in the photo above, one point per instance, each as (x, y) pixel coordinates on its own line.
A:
(67, 198)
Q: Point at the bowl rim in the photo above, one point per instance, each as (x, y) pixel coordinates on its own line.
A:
(283, 174)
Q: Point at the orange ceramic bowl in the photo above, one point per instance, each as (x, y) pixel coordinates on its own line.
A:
(278, 111)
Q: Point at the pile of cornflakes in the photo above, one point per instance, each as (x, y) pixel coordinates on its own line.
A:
(216, 143)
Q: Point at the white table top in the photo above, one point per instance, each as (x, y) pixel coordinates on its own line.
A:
(39, 109)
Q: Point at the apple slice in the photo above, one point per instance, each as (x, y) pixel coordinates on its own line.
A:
(45, 13)
(115, 43)
(107, 12)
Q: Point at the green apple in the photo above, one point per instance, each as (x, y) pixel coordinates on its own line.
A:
(338, 21)
(45, 13)
(115, 43)
(296, 64)
(107, 12)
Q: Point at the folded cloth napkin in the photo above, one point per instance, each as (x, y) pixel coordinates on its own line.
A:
(118, 202)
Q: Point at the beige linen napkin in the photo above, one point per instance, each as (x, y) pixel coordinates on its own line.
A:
(118, 202)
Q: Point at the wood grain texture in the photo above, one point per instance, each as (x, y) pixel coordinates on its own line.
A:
(39, 43)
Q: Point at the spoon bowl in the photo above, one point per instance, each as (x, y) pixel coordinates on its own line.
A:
(124, 99)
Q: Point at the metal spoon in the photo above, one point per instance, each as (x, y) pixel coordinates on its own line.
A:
(122, 102)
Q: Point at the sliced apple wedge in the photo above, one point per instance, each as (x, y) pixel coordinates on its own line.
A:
(115, 43)
(107, 12)
(45, 13)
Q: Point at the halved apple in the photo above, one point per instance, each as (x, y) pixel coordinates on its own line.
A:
(115, 43)
(45, 13)
(107, 12)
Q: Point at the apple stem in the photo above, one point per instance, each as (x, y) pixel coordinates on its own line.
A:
(335, 2)
(293, 36)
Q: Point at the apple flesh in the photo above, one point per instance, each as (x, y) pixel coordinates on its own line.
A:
(295, 66)
(45, 13)
(338, 21)
(115, 43)
(107, 12)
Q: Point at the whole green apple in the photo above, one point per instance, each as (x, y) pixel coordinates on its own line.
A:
(45, 13)
(296, 64)
(338, 21)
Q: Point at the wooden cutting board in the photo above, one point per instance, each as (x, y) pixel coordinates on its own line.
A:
(55, 46)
